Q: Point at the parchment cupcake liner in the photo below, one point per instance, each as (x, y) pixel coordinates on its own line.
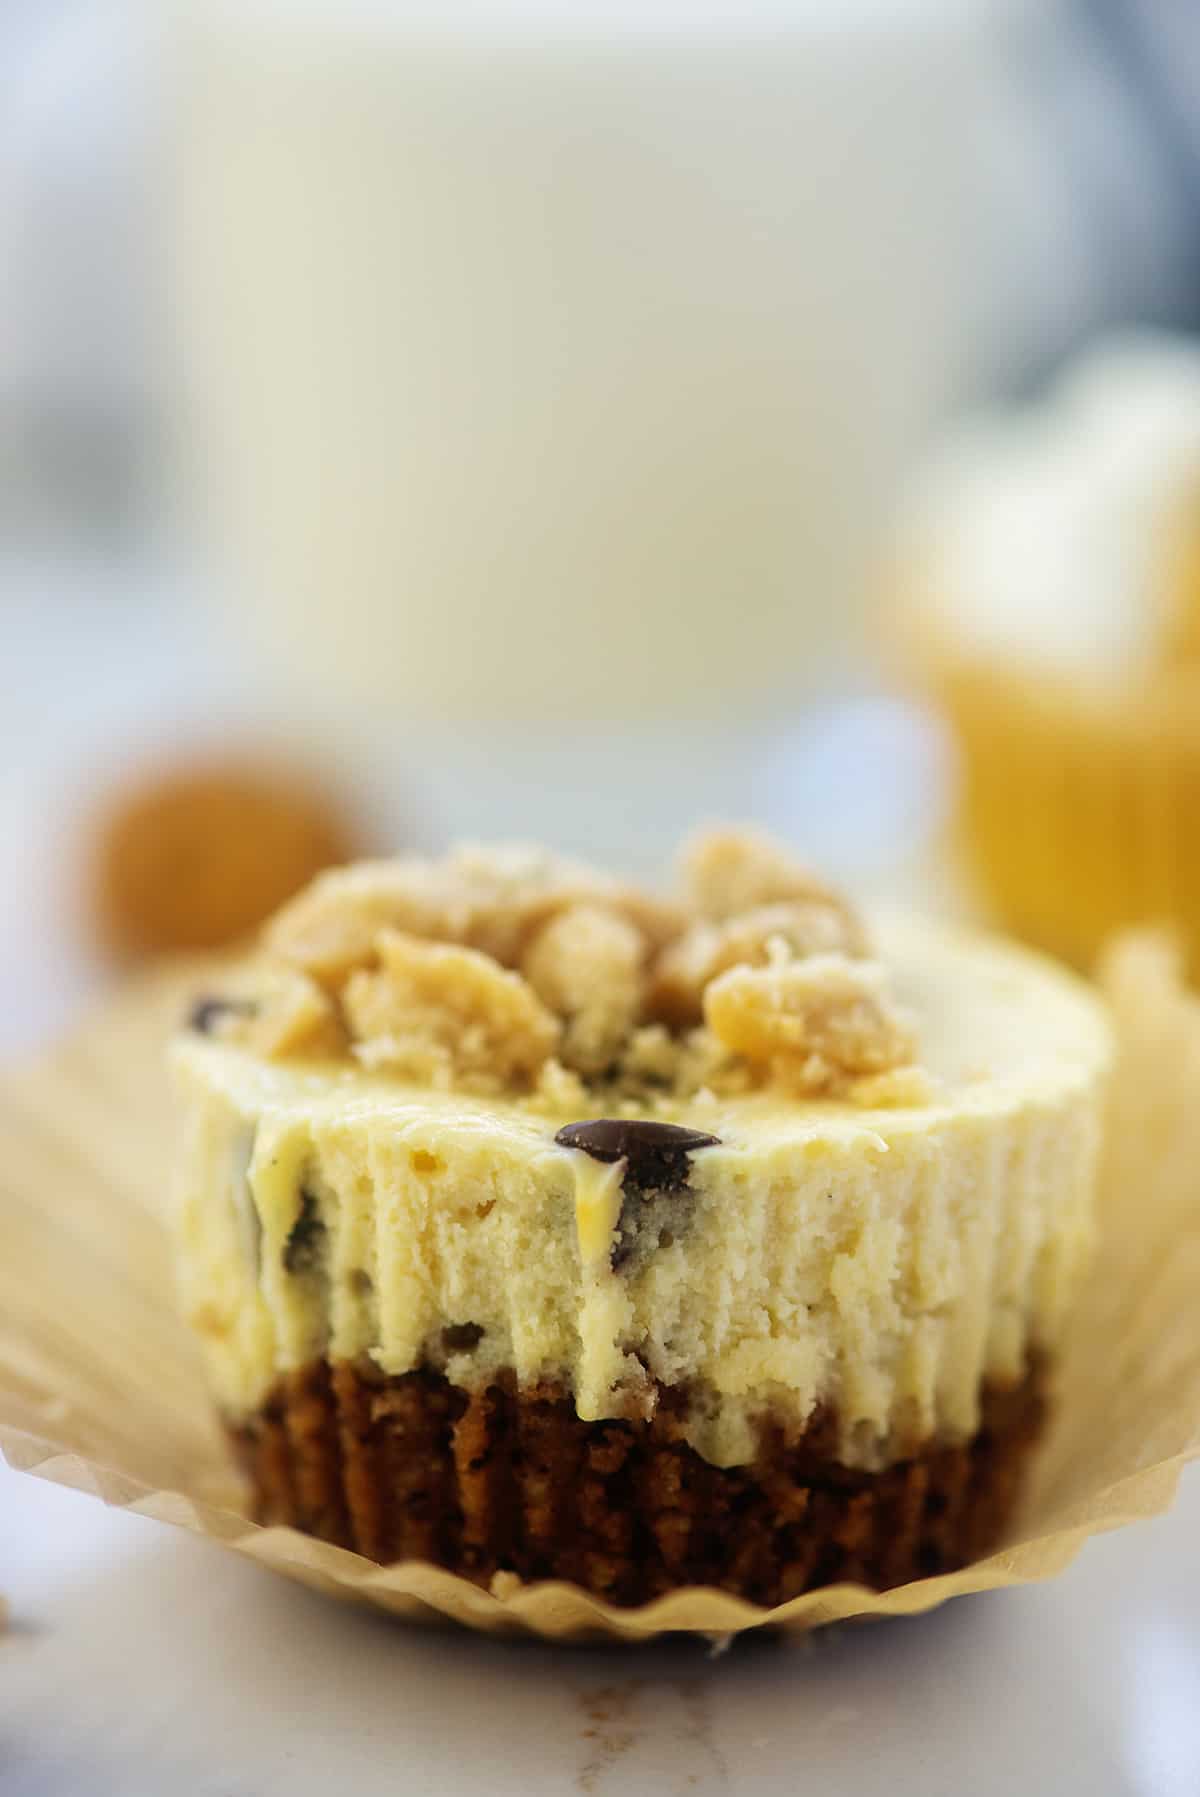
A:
(100, 1387)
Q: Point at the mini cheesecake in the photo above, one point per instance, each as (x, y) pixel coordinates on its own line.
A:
(535, 1225)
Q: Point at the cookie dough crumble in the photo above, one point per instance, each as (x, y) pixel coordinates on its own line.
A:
(815, 1023)
(588, 964)
(434, 1011)
(516, 972)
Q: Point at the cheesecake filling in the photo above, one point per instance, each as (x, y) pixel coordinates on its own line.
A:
(882, 1277)
(885, 1203)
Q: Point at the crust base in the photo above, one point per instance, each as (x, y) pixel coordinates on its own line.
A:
(412, 1467)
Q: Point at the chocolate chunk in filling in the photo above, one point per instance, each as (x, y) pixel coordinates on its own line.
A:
(656, 1154)
(460, 1338)
(206, 1013)
(657, 1157)
(305, 1245)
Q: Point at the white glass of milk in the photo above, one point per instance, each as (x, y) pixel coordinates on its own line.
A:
(546, 366)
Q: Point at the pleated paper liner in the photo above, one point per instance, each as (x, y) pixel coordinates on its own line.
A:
(100, 1388)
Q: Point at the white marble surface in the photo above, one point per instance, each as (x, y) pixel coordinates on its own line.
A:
(140, 1661)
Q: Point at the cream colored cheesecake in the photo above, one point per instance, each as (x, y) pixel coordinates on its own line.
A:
(707, 1171)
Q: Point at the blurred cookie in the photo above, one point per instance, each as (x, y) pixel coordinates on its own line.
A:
(194, 857)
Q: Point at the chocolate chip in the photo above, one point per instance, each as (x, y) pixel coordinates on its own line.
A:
(656, 1153)
(207, 1012)
(460, 1338)
(306, 1240)
(656, 1199)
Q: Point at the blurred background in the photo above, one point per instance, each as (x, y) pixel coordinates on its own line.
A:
(420, 420)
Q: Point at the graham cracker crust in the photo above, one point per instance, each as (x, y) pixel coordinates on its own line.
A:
(414, 1468)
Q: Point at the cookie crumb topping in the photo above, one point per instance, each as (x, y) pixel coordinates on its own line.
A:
(437, 1012)
(817, 1023)
(516, 972)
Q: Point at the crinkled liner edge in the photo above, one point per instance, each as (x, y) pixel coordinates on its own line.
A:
(554, 1610)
